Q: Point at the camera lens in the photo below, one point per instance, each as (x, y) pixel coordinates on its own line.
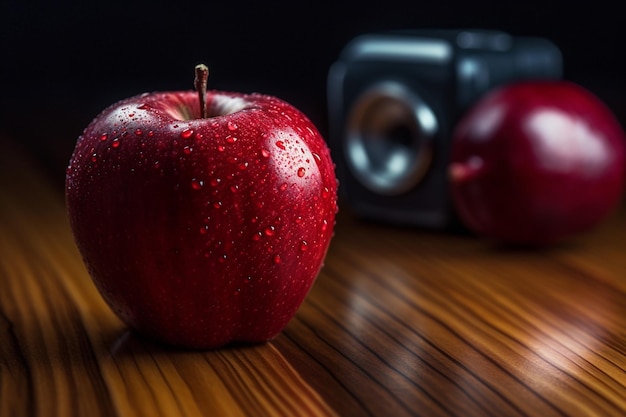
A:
(389, 141)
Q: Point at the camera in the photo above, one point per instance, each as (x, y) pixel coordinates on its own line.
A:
(394, 99)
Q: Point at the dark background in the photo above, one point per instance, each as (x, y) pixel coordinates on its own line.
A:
(62, 63)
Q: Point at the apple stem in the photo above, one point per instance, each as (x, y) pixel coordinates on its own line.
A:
(472, 168)
(200, 83)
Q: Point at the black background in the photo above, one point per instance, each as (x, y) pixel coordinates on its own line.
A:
(62, 63)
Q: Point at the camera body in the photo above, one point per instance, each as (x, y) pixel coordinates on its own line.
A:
(394, 99)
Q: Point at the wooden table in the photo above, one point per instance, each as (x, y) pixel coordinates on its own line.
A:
(400, 322)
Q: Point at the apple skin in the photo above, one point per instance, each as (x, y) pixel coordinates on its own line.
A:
(536, 162)
(200, 232)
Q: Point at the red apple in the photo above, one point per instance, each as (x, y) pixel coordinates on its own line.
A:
(535, 162)
(201, 231)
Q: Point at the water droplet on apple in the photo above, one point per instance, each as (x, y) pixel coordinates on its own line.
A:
(217, 205)
(304, 246)
(242, 166)
(234, 188)
(187, 150)
(199, 135)
(283, 186)
(232, 126)
(204, 229)
(138, 132)
(301, 172)
(186, 134)
(277, 259)
(222, 258)
(143, 107)
(131, 115)
(215, 182)
(104, 137)
(197, 184)
(115, 143)
(324, 225)
(280, 144)
(317, 157)
(231, 139)
(150, 134)
(94, 158)
(265, 153)
(269, 231)
(257, 236)
(221, 148)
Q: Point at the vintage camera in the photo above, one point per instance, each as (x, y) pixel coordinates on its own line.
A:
(394, 99)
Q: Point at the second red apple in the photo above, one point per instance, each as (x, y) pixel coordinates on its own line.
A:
(535, 162)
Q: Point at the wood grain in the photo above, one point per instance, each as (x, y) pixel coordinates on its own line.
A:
(399, 323)
(455, 328)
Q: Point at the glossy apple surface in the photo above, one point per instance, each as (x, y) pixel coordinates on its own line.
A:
(535, 162)
(197, 231)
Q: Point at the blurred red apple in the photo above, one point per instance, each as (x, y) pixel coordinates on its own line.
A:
(535, 162)
(202, 229)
